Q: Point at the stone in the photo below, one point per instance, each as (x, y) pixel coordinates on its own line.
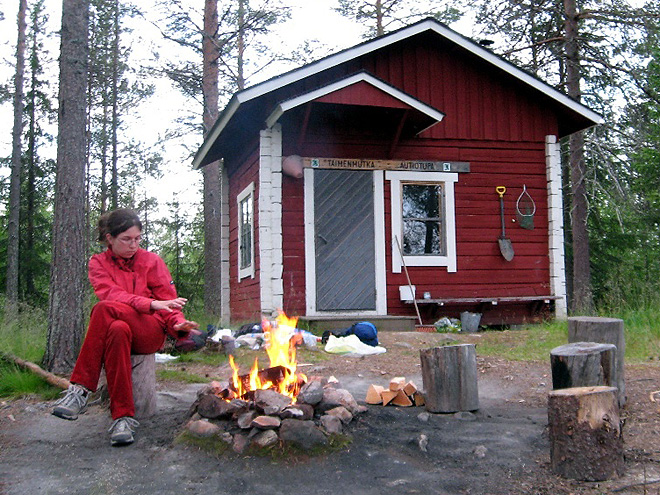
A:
(265, 439)
(266, 422)
(202, 428)
(335, 397)
(270, 401)
(308, 411)
(480, 451)
(244, 421)
(241, 443)
(311, 393)
(424, 417)
(331, 424)
(292, 412)
(465, 416)
(342, 413)
(213, 407)
(304, 434)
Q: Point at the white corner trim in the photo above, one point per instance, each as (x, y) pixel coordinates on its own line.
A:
(310, 250)
(270, 220)
(449, 179)
(556, 226)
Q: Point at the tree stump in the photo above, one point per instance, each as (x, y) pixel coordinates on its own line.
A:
(586, 441)
(144, 384)
(449, 375)
(605, 331)
(583, 364)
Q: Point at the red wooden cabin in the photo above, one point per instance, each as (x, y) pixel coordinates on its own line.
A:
(342, 175)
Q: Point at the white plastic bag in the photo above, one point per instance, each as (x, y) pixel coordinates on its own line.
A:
(351, 345)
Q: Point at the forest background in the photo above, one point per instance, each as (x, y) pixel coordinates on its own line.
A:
(157, 72)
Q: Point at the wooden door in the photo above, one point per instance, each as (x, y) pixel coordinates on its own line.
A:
(344, 240)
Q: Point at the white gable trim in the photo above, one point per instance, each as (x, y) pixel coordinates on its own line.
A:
(348, 81)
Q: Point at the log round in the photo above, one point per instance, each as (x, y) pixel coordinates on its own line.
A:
(449, 376)
(144, 384)
(605, 331)
(586, 441)
(583, 364)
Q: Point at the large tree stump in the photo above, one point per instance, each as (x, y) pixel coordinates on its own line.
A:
(605, 331)
(449, 375)
(583, 364)
(586, 441)
(144, 384)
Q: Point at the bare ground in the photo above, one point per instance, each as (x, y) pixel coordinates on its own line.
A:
(502, 449)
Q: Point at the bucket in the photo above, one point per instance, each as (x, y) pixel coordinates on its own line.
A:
(470, 321)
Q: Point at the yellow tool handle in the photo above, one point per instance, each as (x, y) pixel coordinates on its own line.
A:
(500, 190)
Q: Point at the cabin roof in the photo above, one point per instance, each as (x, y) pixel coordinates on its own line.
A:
(211, 148)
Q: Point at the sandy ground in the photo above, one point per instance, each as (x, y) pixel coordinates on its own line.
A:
(502, 449)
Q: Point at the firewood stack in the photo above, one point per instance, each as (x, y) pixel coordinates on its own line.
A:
(266, 418)
(399, 393)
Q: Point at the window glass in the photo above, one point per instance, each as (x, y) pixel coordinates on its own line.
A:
(245, 218)
(423, 229)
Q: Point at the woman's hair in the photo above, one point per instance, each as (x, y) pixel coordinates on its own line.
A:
(117, 221)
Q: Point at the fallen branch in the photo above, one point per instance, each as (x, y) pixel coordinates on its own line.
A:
(54, 380)
(635, 485)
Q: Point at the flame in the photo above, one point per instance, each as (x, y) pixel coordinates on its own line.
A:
(281, 352)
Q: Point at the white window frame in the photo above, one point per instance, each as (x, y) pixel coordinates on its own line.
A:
(447, 181)
(245, 194)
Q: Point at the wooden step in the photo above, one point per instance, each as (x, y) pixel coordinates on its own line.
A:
(382, 323)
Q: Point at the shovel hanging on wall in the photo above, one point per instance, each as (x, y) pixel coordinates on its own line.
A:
(505, 244)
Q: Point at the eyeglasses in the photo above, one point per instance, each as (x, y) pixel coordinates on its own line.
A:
(130, 240)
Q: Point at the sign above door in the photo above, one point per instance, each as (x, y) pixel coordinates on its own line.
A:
(367, 164)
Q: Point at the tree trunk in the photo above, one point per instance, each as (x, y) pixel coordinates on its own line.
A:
(15, 179)
(67, 281)
(586, 441)
(211, 172)
(582, 300)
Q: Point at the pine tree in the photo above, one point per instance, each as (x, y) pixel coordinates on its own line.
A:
(67, 284)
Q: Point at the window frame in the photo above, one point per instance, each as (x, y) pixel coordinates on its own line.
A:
(246, 194)
(444, 179)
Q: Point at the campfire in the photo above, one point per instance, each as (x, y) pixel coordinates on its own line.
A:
(281, 374)
(274, 405)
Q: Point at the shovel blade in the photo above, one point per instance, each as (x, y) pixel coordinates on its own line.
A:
(506, 248)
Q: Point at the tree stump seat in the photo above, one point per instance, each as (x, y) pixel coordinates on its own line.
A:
(583, 364)
(586, 441)
(449, 374)
(144, 385)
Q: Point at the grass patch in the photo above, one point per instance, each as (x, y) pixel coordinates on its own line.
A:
(16, 383)
(212, 445)
(180, 376)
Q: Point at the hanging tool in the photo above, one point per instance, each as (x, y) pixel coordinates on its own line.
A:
(525, 209)
(505, 244)
(405, 269)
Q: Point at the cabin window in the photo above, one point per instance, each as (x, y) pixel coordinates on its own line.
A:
(245, 201)
(423, 222)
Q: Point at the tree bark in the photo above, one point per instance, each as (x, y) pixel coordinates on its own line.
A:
(211, 172)
(15, 178)
(582, 300)
(67, 281)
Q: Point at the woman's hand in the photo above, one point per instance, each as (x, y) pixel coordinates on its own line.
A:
(183, 329)
(170, 305)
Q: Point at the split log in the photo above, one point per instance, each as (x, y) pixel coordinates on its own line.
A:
(401, 399)
(374, 394)
(583, 364)
(387, 396)
(54, 380)
(604, 331)
(410, 389)
(586, 441)
(449, 376)
(397, 383)
(418, 398)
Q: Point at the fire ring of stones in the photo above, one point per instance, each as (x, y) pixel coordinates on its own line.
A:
(266, 418)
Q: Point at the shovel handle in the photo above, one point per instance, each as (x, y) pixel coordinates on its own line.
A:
(500, 190)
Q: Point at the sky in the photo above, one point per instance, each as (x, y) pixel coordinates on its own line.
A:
(311, 20)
